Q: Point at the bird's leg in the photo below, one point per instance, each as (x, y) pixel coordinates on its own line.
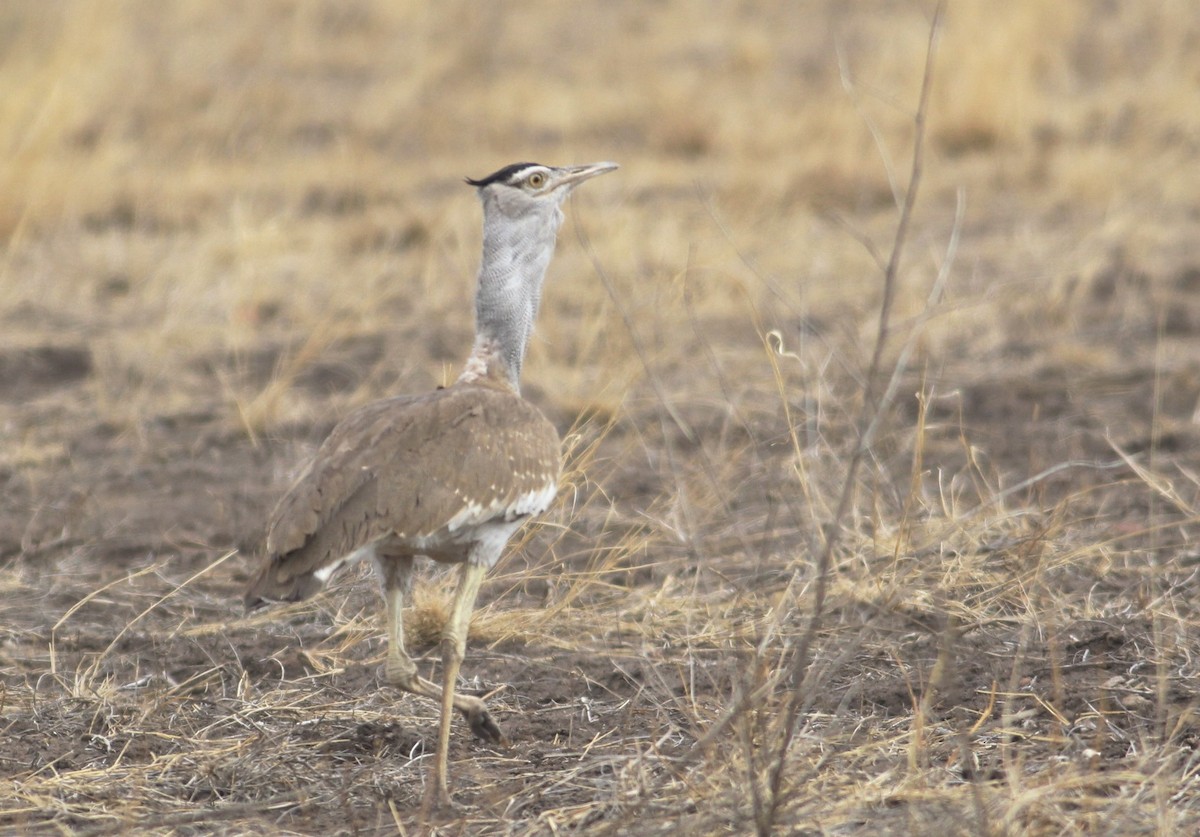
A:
(399, 670)
(454, 646)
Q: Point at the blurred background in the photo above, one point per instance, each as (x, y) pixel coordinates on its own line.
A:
(194, 177)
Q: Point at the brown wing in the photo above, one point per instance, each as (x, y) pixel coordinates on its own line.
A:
(420, 468)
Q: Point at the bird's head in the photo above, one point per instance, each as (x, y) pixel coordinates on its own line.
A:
(530, 190)
(522, 211)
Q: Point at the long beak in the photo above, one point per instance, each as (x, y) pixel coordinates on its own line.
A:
(572, 176)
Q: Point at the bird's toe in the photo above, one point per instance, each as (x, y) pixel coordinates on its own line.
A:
(437, 800)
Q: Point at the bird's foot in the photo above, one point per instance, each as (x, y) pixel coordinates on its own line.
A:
(437, 799)
(482, 724)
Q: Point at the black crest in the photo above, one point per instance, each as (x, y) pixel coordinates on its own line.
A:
(501, 176)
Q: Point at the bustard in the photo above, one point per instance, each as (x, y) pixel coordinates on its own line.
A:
(449, 475)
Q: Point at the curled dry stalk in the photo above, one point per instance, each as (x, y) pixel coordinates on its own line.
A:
(874, 406)
(879, 393)
(758, 687)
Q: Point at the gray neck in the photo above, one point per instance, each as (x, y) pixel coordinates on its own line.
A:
(516, 252)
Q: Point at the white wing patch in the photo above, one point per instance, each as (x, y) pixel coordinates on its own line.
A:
(326, 572)
(530, 503)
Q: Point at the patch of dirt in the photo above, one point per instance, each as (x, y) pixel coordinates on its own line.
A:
(27, 373)
(124, 648)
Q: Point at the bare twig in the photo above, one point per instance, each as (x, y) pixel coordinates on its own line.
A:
(873, 408)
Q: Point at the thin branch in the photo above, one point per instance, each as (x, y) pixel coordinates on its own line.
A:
(872, 409)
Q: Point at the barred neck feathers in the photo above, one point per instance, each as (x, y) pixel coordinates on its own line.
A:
(486, 365)
(518, 242)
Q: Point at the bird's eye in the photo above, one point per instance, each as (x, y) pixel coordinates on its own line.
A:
(536, 180)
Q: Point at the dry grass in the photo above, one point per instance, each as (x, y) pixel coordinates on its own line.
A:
(225, 224)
